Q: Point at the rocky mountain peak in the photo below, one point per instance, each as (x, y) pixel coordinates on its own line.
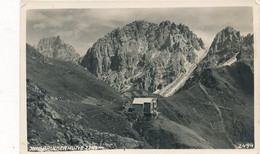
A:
(249, 39)
(139, 24)
(144, 55)
(165, 23)
(55, 47)
(229, 29)
(228, 47)
(224, 37)
(58, 40)
(183, 27)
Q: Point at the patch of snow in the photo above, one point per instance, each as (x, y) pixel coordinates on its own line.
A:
(201, 54)
(134, 77)
(230, 61)
(157, 91)
(175, 85)
(181, 79)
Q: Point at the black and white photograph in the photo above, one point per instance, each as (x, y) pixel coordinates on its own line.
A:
(139, 78)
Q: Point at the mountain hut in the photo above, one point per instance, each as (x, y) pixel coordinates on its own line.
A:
(145, 106)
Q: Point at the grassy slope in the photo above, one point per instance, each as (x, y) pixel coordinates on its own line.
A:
(219, 106)
(69, 81)
(76, 96)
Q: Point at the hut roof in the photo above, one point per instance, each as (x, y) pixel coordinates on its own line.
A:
(143, 100)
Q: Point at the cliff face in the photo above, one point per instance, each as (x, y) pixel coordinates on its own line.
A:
(56, 48)
(143, 55)
(228, 47)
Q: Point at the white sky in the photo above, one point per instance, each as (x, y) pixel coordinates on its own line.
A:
(82, 27)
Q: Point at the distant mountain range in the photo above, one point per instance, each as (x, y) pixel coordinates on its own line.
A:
(206, 95)
(54, 47)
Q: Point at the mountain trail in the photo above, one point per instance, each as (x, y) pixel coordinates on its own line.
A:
(219, 113)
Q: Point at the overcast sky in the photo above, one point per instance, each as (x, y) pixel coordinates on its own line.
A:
(82, 27)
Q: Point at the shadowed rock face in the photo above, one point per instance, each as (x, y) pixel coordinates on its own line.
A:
(227, 45)
(54, 47)
(226, 79)
(143, 55)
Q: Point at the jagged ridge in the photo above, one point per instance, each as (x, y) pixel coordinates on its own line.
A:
(143, 55)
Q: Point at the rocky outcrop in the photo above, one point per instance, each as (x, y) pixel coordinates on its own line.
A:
(227, 47)
(54, 47)
(143, 55)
